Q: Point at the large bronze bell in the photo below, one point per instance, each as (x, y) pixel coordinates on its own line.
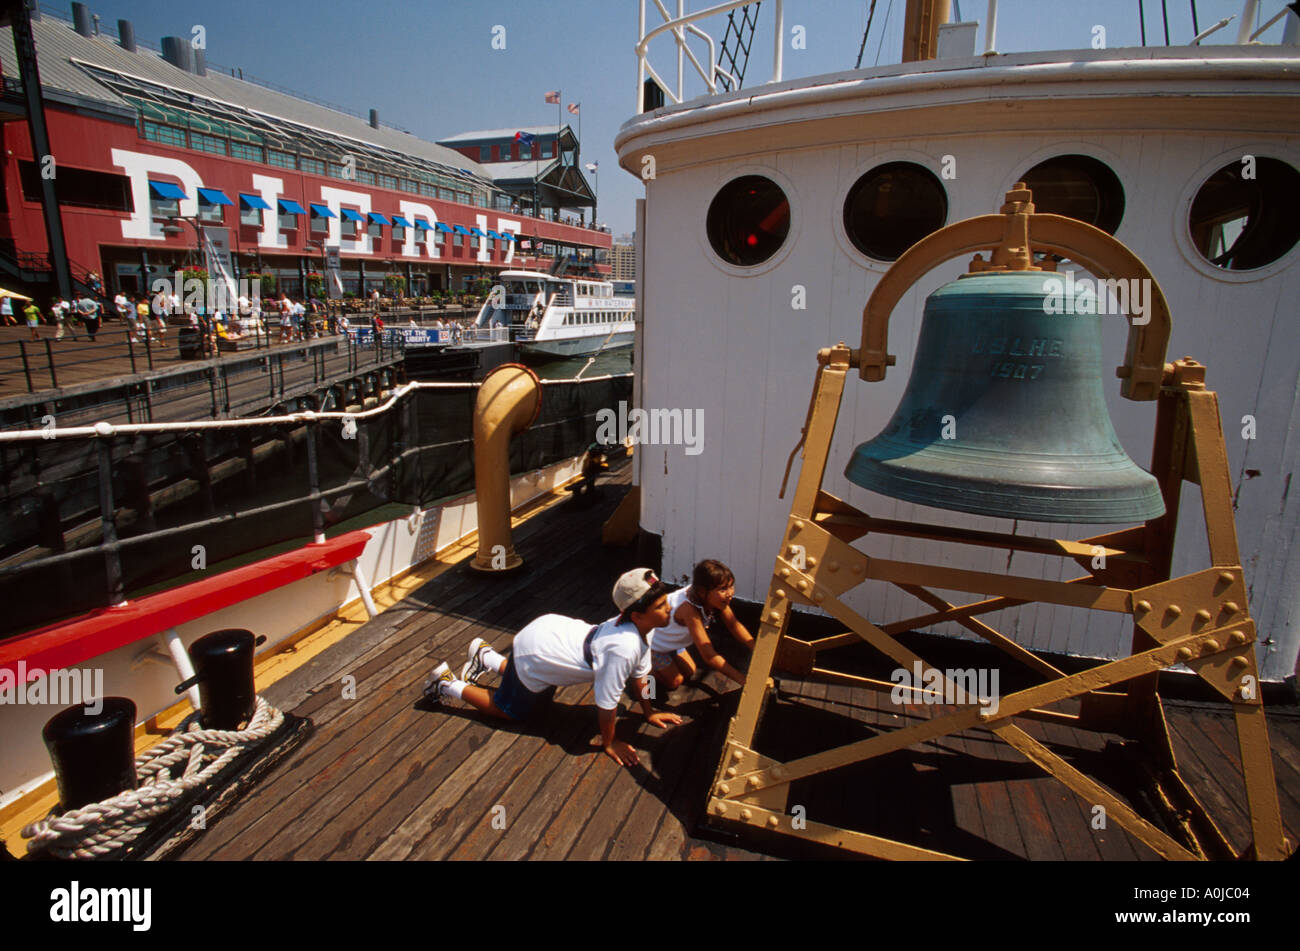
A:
(1004, 412)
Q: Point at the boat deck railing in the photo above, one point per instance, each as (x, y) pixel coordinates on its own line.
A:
(718, 80)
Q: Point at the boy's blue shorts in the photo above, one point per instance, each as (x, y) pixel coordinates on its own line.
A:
(514, 699)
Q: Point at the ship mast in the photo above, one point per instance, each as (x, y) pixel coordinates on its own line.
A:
(921, 28)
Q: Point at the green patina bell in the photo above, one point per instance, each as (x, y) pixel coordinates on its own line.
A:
(1004, 412)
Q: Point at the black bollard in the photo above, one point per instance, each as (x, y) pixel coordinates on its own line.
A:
(93, 754)
(223, 669)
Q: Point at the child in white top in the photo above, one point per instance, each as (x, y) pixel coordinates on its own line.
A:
(556, 651)
(694, 609)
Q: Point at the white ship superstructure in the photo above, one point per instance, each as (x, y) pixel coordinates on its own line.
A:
(775, 210)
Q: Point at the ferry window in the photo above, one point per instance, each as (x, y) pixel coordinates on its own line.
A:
(1240, 223)
(485, 153)
(748, 220)
(1079, 187)
(892, 207)
(525, 151)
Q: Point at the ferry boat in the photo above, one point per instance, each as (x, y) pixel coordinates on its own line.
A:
(551, 317)
(800, 166)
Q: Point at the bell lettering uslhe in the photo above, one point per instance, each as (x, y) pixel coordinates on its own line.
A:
(1004, 413)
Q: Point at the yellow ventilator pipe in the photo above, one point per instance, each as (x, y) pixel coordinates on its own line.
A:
(509, 400)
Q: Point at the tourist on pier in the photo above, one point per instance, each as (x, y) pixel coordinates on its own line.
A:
(7, 311)
(88, 309)
(286, 319)
(124, 307)
(142, 309)
(557, 651)
(160, 328)
(32, 313)
(695, 609)
(60, 309)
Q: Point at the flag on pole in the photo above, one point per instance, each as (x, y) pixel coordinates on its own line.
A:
(592, 166)
(573, 107)
(553, 96)
(524, 138)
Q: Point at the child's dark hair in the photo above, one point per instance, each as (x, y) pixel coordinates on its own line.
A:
(642, 604)
(710, 574)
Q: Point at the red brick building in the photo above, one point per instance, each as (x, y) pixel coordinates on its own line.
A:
(139, 138)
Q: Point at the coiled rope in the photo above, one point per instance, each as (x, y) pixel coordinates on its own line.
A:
(102, 828)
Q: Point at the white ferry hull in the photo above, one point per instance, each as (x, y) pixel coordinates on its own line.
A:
(574, 346)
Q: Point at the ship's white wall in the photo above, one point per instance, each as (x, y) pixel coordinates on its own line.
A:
(729, 343)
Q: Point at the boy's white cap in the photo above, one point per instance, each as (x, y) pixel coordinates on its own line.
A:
(632, 585)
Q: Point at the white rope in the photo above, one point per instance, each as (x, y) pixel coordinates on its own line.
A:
(102, 828)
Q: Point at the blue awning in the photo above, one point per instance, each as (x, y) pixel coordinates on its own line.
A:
(214, 196)
(253, 201)
(401, 222)
(289, 206)
(323, 211)
(493, 234)
(377, 218)
(445, 228)
(477, 232)
(351, 215)
(508, 236)
(165, 190)
(461, 229)
(422, 225)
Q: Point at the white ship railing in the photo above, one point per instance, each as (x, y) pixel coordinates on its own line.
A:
(684, 23)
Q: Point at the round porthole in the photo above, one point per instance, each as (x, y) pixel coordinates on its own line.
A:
(1247, 214)
(892, 207)
(748, 220)
(1079, 187)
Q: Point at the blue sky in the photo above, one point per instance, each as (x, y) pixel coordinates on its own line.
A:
(430, 68)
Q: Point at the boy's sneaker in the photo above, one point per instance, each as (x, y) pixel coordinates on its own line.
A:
(441, 674)
(476, 667)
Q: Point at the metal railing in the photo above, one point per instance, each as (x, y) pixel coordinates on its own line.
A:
(218, 386)
(684, 23)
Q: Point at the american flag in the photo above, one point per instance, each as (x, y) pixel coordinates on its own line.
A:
(553, 96)
(573, 107)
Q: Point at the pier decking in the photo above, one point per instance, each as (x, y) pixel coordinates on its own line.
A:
(389, 776)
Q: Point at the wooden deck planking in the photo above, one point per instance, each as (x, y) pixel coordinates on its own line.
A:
(389, 776)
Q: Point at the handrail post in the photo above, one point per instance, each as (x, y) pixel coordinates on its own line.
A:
(778, 50)
(49, 355)
(27, 370)
(148, 347)
(130, 349)
(640, 60)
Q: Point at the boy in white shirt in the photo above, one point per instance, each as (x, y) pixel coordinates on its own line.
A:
(556, 651)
